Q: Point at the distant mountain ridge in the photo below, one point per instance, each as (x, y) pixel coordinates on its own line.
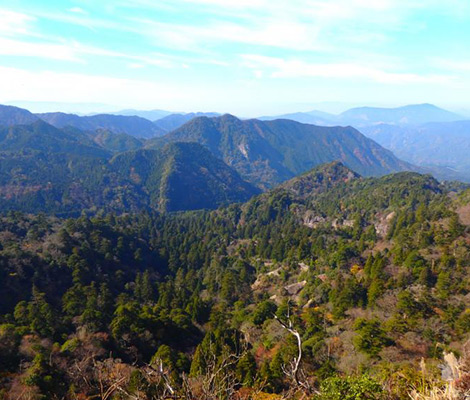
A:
(406, 115)
(266, 153)
(441, 146)
(40, 136)
(362, 116)
(151, 115)
(11, 115)
(174, 121)
(130, 125)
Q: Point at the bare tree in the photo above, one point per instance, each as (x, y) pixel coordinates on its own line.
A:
(294, 371)
(111, 376)
(218, 381)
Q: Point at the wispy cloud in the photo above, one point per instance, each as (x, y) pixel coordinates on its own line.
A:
(293, 68)
(270, 34)
(74, 51)
(11, 47)
(260, 49)
(14, 23)
(72, 87)
(453, 65)
(78, 10)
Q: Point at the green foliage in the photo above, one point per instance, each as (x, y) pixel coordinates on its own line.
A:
(193, 289)
(350, 388)
(263, 311)
(371, 338)
(273, 151)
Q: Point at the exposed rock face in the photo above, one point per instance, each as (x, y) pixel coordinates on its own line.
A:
(381, 227)
(295, 288)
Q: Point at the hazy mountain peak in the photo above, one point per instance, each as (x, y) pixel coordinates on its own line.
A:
(131, 125)
(361, 116)
(151, 115)
(11, 115)
(412, 114)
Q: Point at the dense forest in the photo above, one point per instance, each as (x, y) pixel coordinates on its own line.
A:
(330, 286)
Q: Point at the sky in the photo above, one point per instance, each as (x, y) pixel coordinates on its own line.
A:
(246, 57)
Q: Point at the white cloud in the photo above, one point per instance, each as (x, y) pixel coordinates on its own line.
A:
(78, 10)
(274, 33)
(293, 68)
(135, 65)
(304, 25)
(19, 84)
(74, 52)
(14, 23)
(453, 65)
(51, 51)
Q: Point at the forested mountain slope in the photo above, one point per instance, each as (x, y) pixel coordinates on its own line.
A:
(269, 152)
(130, 125)
(44, 169)
(372, 273)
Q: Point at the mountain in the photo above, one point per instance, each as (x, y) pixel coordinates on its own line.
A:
(151, 115)
(65, 172)
(10, 115)
(358, 282)
(182, 176)
(440, 146)
(407, 115)
(116, 142)
(130, 125)
(174, 121)
(40, 136)
(266, 153)
(74, 108)
(318, 180)
(415, 114)
(311, 117)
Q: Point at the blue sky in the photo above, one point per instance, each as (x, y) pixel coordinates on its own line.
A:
(247, 57)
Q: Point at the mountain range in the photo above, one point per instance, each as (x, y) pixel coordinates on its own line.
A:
(153, 123)
(130, 125)
(366, 116)
(174, 121)
(62, 165)
(50, 170)
(441, 146)
(266, 153)
(430, 137)
(151, 115)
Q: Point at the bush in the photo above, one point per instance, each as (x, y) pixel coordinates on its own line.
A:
(350, 388)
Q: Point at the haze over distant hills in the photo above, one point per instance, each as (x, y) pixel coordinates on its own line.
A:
(364, 116)
(150, 123)
(435, 144)
(151, 115)
(425, 135)
(174, 121)
(357, 117)
(10, 115)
